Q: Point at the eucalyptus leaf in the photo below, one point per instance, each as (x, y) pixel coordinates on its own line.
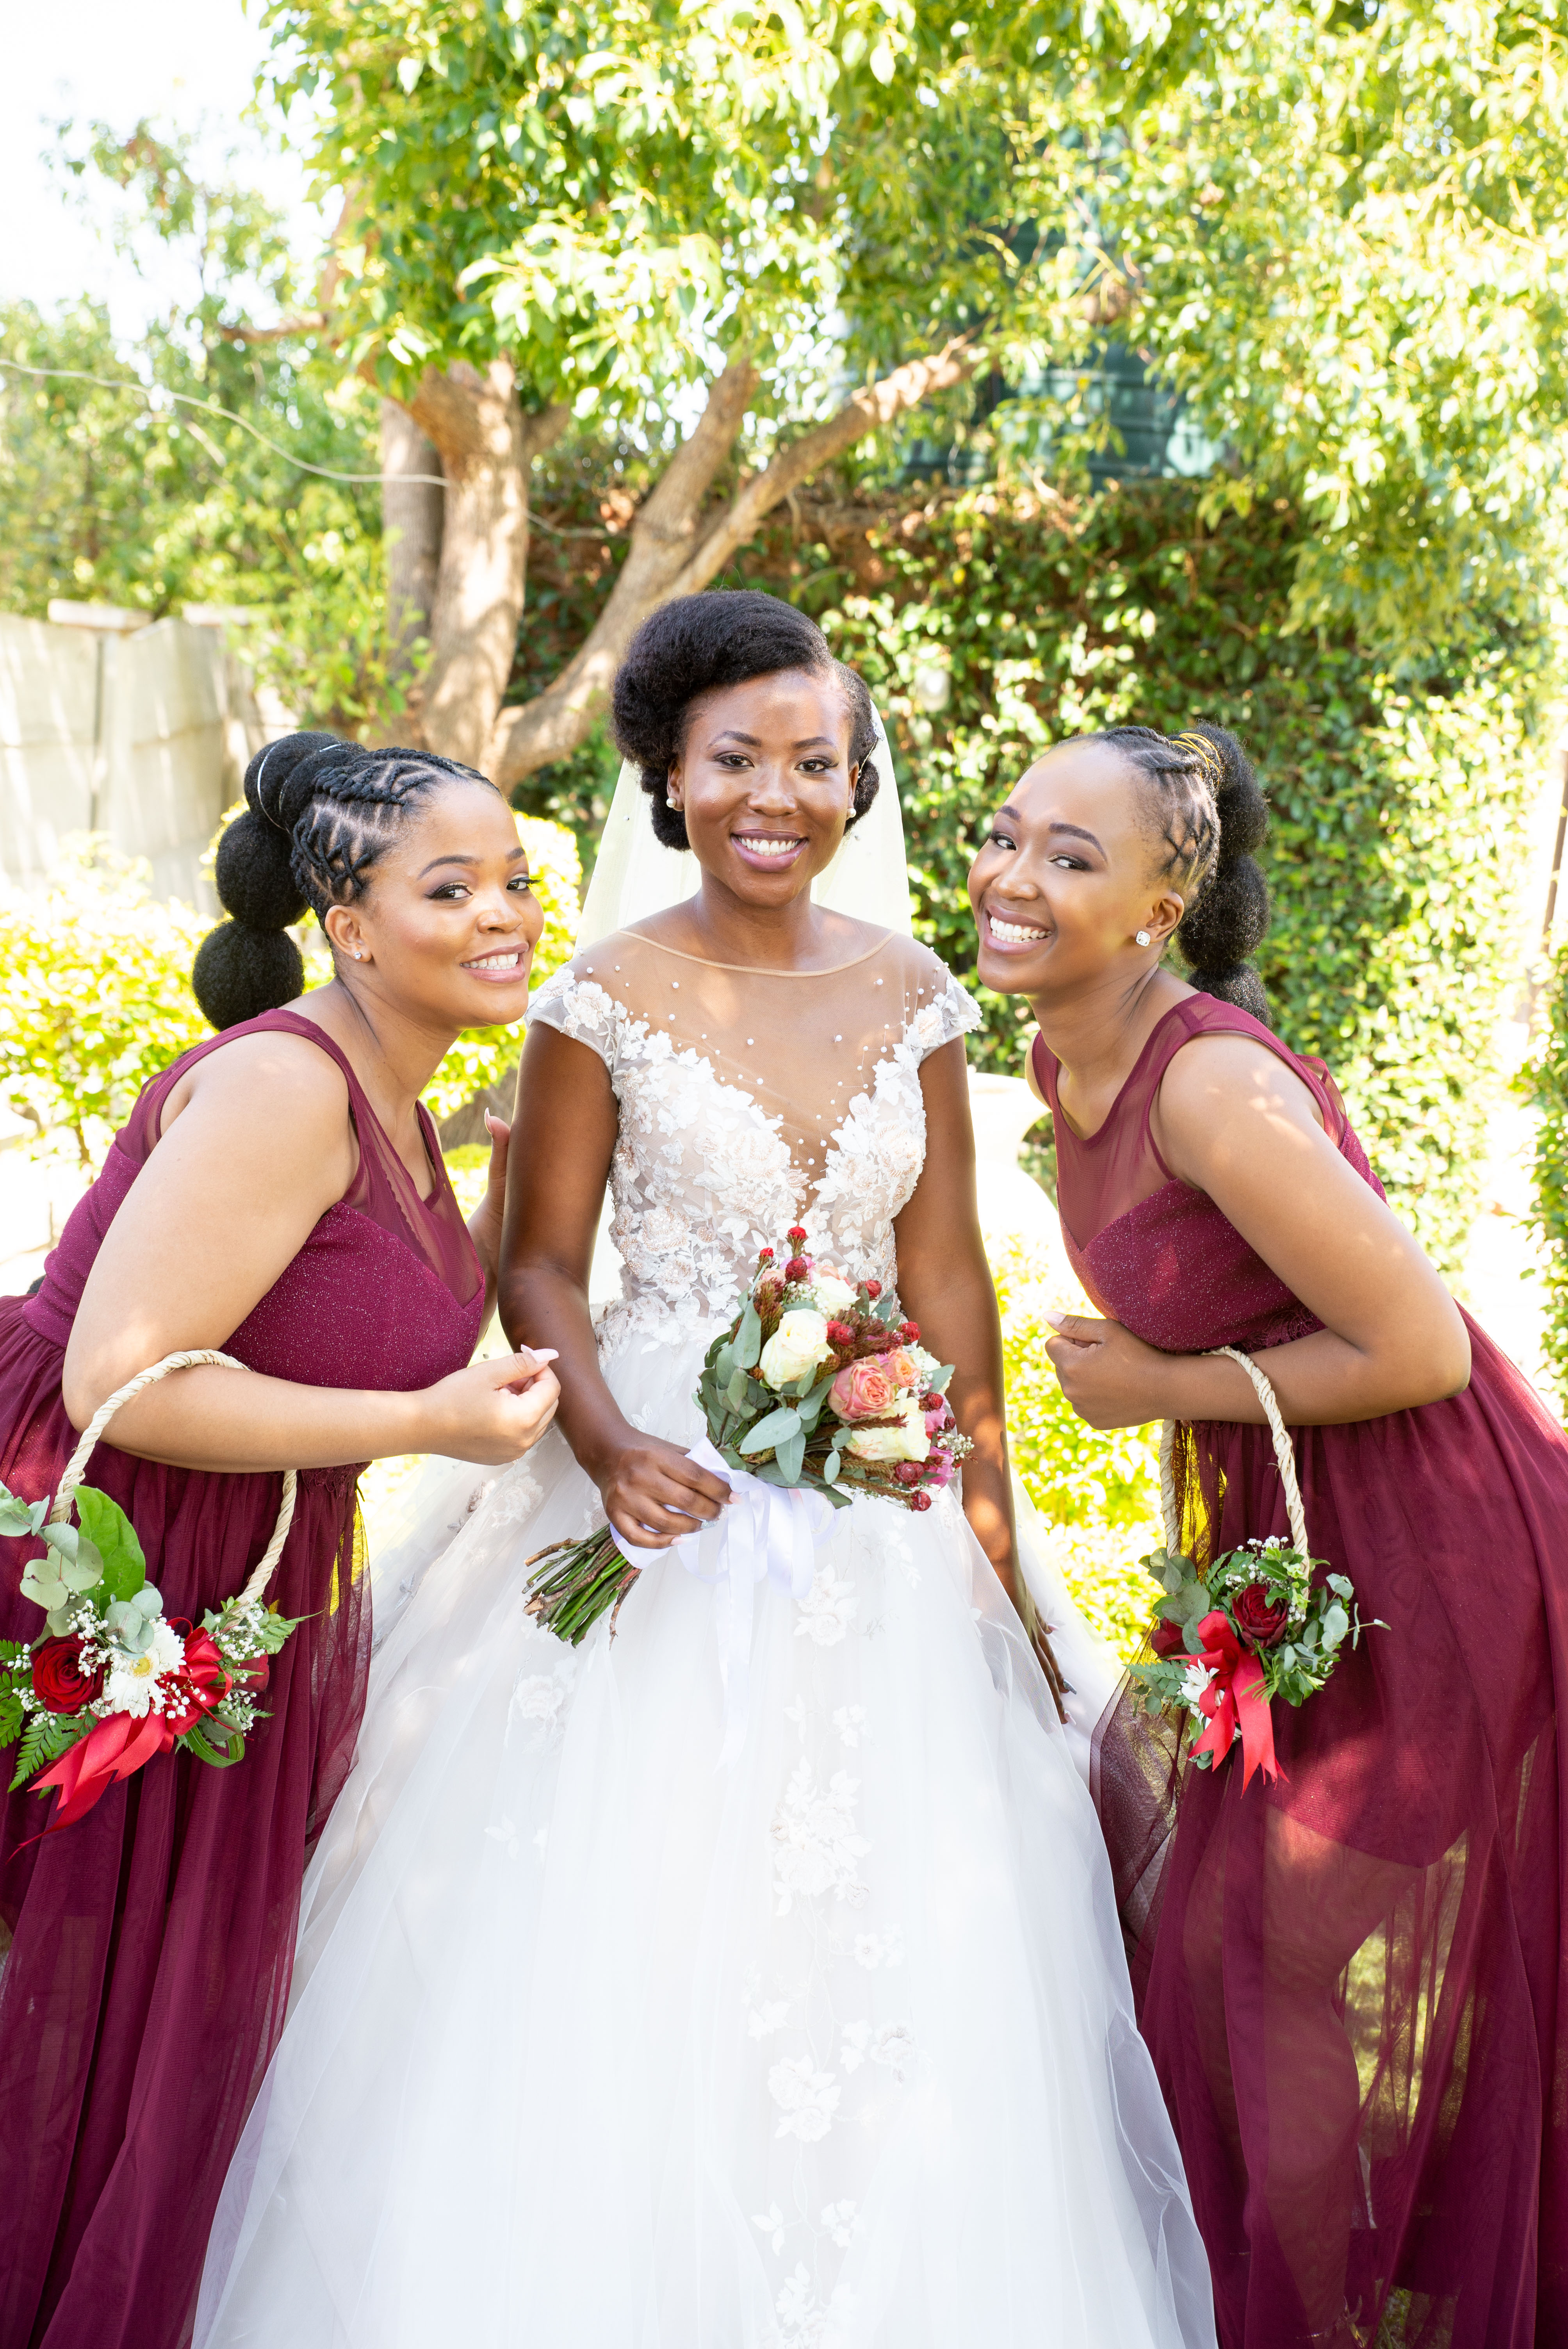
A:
(768, 1432)
(738, 1389)
(1336, 1623)
(85, 1571)
(724, 1365)
(105, 1523)
(748, 1338)
(42, 1586)
(790, 1456)
(831, 1467)
(19, 1518)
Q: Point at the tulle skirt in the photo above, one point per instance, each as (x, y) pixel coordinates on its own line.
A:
(594, 2042)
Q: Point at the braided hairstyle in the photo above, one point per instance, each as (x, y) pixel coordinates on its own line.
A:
(1210, 815)
(321, 811)
(722, 637)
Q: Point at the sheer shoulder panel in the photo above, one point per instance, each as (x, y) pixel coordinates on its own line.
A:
(804, 1046)
(1102, 1176)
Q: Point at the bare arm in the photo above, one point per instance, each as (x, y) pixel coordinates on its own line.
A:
(259, 1148)
(1235, 1123)
(945, 1284)
(555, 1188)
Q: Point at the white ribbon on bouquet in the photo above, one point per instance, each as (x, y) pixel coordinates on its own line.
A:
(766, 1531)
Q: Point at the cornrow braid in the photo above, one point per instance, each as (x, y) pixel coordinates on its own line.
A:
(320, 812)
(1209, 814)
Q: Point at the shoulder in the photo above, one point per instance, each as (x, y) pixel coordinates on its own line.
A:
(937, 1009)
(1220, 1075)
(578, 1002)
(271, 1078)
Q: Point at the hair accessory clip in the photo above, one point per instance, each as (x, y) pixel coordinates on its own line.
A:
(1204, 752)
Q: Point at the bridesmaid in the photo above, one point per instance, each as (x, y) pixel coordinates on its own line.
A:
(1351, 1978)
(278, 1192)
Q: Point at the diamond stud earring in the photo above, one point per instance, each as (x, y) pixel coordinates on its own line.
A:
(1143, 937)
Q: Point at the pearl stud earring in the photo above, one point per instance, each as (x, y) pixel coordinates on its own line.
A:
(1143, 937)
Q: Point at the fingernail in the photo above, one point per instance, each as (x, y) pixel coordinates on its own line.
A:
(544, 1353)
(1056, 1320)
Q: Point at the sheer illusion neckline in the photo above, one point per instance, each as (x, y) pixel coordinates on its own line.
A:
(762, 970)
(1088, 1141)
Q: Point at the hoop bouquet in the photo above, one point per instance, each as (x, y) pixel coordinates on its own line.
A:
(115, 1680)
(1253, 1625)
(818, 1385)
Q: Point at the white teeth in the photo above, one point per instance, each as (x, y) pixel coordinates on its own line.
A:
(495, 961)
(765, 847)
(1014, 934)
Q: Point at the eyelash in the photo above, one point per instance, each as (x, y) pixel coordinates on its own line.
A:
(1001, 840)
(736, 762)
(447, 891)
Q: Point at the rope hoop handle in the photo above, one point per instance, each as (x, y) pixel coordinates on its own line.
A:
(1285, 1455)
(60, 1512)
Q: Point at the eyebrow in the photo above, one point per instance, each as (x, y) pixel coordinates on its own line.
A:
(1076, 831)
(754, 741)
(512, 854)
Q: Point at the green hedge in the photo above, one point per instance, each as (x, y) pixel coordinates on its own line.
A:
(1398, 805)
(1545, 1082)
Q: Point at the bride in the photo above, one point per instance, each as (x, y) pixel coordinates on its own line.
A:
(654, 1994)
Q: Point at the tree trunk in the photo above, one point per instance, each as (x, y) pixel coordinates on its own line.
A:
(411, 531)
(675, 549)
(486, 446)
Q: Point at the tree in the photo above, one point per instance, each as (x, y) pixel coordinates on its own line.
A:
(179, 471)
(751, 233)
(1344, 236)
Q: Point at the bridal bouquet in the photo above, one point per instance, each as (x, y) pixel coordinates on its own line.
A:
(1252, 1627)
(115, 1680)
(818, 1386)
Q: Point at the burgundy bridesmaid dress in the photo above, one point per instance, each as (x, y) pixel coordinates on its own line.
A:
(151, 1943)
(1352, 1979)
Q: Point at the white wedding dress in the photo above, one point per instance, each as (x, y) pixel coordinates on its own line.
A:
(597, 2045)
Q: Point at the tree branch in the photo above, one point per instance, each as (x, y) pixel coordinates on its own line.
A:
(672, 555)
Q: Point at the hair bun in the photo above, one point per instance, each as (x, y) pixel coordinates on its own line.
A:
(253, 874)
(277, 766)
(239, 973)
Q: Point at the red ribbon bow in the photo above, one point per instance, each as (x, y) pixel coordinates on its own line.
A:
(1233, 1703)
(120, 1745)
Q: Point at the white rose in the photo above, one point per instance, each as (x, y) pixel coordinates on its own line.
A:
(833, 1294)
(796, 1346)
(909, 1442)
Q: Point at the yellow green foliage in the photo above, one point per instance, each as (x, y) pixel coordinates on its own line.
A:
(94, 996)
(1099, 1491)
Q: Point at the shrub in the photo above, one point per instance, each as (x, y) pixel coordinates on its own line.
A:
(94, 996)
(1545, 1082)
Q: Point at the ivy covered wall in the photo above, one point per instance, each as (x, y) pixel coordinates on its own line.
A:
(990, 624)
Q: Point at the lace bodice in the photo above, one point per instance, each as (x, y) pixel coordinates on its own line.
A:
(748, 1101)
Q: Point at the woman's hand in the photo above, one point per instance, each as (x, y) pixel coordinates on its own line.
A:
(494, 1410)
(653, 1494)
(1110, 1378)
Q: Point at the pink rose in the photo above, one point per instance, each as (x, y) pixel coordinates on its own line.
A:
(903, 1368)
(864, 1389)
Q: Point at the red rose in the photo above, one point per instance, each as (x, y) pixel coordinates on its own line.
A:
(765, 1256)
(797, 1232)
(1260, 1619)
(59, 1680)
(910, 1333)
(873, 1289)
(797, 1269)
(1166, 1640)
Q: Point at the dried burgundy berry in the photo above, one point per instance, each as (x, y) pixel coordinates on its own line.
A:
(797, 1269)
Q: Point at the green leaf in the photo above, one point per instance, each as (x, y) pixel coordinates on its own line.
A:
(737, 1391)
(46, 1736)
(831, 1467)
(767, 1432)
(44, 1589)
(18, 1517)
(80, 1566)
(748, 1338)
(790, 1456)
(107, 1526)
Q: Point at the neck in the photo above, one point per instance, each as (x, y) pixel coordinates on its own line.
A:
(723, 927)
(394, 1053)
(1098, 1031)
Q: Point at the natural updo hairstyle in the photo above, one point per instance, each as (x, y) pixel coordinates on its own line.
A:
(1211, 814)
(722, 637)
(321, 811)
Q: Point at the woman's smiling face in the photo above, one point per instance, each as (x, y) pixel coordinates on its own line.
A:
(765, 783)
(1067, 877)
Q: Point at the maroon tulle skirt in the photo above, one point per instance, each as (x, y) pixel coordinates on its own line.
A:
(149, 1946)
(1353, 1981)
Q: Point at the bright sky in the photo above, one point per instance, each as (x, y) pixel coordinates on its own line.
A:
(189, 63)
